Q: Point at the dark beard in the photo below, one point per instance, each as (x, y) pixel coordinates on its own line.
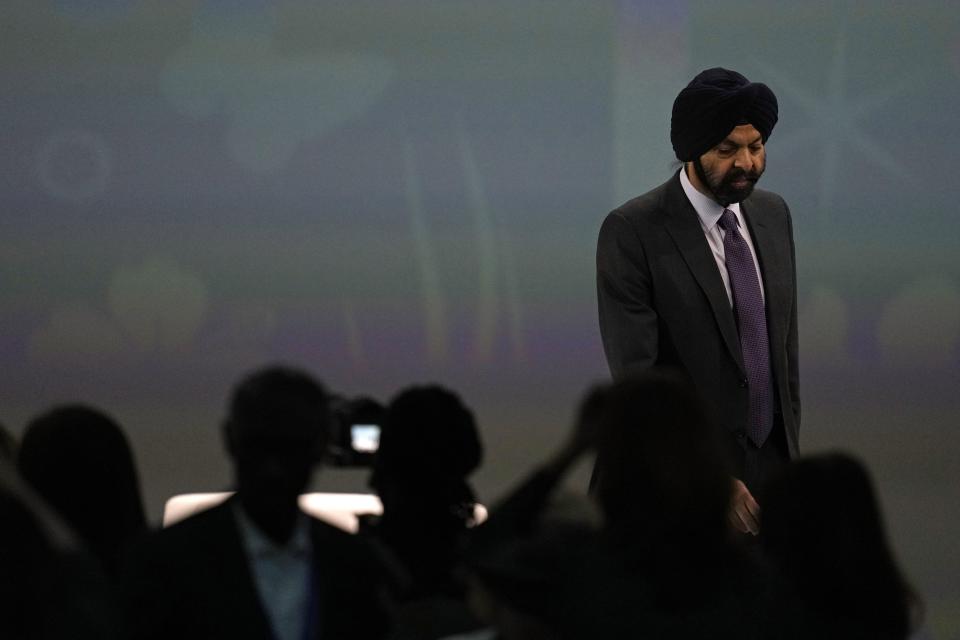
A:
(723, 190)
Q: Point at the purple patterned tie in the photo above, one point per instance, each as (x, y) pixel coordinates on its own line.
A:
(752, 323)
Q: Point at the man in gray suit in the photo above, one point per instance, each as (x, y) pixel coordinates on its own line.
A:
(700, 274)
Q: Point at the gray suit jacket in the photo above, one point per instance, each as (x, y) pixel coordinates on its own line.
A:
(662, 302)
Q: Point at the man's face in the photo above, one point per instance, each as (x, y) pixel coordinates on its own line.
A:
(273, 465)
(730, 170)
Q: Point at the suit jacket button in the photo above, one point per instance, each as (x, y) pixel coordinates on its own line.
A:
(741, 434)
(743, 382)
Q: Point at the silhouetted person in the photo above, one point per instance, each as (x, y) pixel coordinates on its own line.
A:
(79, 461)
(823, 529)
(429, 446)
(256, 566)
(50, 587)
(664, 563)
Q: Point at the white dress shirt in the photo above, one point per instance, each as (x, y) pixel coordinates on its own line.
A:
(709, 213)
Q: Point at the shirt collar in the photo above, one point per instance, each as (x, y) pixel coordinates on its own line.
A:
(708, 210)
(257, 544)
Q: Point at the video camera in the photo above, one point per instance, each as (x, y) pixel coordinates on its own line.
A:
(354, 431)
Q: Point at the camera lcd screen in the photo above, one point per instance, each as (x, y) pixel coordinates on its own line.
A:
(365, 438)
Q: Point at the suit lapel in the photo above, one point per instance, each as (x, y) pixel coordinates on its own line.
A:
(683, 224)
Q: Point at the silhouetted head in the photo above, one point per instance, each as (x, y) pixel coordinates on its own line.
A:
(79, 461)
(823, 528)
(275, 433)
(429, 445)
(661, 471)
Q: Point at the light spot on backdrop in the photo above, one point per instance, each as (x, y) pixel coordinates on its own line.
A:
(272, 103)
(836, 117)
(432, 297)
(253, 322)
(74, 165)
(77, 334)
(824, 321)
(920, 326)
(158, 304)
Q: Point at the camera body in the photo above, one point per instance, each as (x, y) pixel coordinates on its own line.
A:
(354, 431)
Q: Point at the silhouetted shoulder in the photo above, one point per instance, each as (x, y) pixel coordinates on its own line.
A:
(344, 549)
(193, 531)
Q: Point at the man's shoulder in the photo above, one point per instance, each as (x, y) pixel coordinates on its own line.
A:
(207, 527)
(766, 200)
(644, 215)
(182, 552)
(216, 517)
(651, 204)
(220, 518)
(341, 546)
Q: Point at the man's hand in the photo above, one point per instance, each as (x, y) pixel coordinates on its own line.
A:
(744, 514)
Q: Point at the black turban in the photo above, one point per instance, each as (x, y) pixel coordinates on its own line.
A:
(716, 101)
